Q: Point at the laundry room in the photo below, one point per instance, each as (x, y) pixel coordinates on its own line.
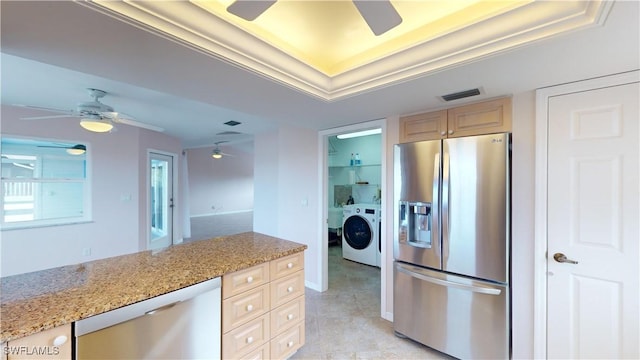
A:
(354, 199)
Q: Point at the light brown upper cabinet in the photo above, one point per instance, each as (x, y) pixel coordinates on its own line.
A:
(486, 117)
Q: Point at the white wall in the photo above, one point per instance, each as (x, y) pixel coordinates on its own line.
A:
(220, 185)
(286, 191)
(118, 163)
(522, 211)
(266, 190)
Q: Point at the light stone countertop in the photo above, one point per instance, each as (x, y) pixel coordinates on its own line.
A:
(41, 300)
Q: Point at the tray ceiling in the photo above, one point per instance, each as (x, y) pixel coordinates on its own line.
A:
(325, 49)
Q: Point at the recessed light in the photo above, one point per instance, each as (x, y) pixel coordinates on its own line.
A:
(232, 123)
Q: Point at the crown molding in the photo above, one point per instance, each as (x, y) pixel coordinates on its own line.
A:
(200, 30)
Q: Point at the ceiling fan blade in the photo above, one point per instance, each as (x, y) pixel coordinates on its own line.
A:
(54, 147)
(62, 111)
(48, 117)
(380, 15)
(249, 9)
(137, 124)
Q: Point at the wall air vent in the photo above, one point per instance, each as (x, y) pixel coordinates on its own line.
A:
(461, 94)
(232, 123)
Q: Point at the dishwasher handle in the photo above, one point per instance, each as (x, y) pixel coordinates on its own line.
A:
(162, 308)
(451, 284)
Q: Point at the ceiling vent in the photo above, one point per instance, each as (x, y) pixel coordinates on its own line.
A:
(461, 94)
(232, 123)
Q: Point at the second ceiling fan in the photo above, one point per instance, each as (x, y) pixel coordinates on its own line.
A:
(380, 15)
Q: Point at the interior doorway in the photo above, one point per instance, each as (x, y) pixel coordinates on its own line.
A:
(160, 200)
(347, 179)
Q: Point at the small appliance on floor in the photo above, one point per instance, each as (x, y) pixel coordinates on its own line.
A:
(360, 233)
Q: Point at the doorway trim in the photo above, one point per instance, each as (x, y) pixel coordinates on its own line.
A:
(540, 223)
(323, 160)
(176, 197)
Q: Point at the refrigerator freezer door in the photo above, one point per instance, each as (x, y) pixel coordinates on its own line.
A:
(416, 194)
(475, 203)
(464, 318)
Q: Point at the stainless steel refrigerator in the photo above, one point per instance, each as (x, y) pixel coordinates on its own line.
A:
(452, 245)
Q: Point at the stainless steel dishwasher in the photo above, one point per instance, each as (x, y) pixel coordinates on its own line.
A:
(183, 324)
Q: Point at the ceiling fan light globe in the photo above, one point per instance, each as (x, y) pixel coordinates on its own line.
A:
(75, 151)
(96, 125)
(216, 155)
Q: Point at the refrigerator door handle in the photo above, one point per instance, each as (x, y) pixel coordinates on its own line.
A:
(435, 207)
(451, 284)
(445, 205)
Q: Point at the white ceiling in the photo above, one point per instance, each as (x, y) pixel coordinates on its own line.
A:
(53, 51)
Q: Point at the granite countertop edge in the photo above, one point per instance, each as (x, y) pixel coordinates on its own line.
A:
(37, 301)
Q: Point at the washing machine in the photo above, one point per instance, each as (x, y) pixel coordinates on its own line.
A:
(361, 233)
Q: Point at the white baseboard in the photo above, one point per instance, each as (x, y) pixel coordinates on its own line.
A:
(312, 286)
(222, 213)
(388, 316)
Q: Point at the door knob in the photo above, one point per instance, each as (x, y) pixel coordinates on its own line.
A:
(561, 258)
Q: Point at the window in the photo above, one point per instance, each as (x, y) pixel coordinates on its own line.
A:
(43, 183)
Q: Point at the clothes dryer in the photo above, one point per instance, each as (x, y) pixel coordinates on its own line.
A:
(361, 234)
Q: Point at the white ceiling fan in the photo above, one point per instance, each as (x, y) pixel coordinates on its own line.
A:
(95, 115)
(217, 153)
(77, 149)
(380, 15)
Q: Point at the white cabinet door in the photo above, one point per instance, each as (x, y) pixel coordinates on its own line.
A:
(593, 207)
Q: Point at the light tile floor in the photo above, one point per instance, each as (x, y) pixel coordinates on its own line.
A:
(345, 323)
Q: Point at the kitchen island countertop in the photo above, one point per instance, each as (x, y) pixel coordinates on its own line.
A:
(40, 300)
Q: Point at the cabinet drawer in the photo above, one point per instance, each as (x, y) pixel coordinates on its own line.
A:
(286, 265)
(285, 344)
(239, 309)
(245, 338)
(243, 280)
(287, 288)
(262, 353)
(50, 344)
(287, 315)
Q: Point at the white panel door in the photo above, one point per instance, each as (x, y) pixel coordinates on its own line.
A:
(593, 207)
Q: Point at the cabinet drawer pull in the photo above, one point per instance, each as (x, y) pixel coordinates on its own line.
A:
(59, 340)
(289, 265)
(290, 344)
(443, 133)
(290, 317)
(249, 339)
(450, 132)
(249, 279)
(249, 307)
(290, 289)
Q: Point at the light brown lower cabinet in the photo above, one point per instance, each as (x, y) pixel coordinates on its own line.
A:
(49, 344)
(263, 310)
